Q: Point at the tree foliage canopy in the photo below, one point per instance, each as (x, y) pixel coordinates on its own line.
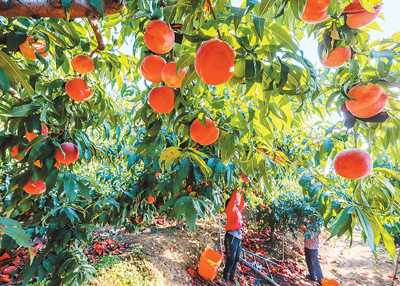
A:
(280, 119)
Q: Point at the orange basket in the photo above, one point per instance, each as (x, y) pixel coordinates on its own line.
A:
(329, 282)
(210, 260)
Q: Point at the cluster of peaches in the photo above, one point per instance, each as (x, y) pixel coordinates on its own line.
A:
(356, 16)
(76, 88)
(214, 63)
(366, 100)
(69, 153)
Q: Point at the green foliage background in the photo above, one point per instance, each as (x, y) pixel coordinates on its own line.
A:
(279, 103)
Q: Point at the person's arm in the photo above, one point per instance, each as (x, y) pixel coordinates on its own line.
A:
(241, 205)
(232, 202)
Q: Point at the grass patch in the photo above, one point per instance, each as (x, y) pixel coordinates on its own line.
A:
(132, 270)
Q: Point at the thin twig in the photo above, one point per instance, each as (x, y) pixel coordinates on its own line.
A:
(94, 51)
(92, 18)
(355, 136)
(33, 28)
(16, 96)
(215, 17)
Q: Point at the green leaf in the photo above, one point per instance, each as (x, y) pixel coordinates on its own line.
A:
(13, 72)
(21, 111)
(259, 23)
(265, 5)
(98, 5)
(9, 222)
(181, 174)
(189, 77)
(14, 40)
(18, 234)
(328, 144)
(367, 227)
(297, 7)
(168, 156)
(191, 217)
(281, 36)
(237, 14)
(185, 61)
(4, 82)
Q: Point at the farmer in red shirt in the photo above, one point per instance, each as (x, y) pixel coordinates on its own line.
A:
(234, 234)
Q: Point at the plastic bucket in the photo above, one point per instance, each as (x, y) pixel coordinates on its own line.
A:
(329, 282)
(210, 260)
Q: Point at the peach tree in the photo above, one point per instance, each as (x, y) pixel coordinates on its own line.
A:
(115, 112)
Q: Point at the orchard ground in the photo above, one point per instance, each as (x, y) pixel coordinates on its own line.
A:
(170, 251)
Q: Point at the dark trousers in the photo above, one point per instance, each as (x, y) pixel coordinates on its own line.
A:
(233, 248)
(313, 263)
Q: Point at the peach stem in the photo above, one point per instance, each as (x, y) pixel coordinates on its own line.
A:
(215, 18)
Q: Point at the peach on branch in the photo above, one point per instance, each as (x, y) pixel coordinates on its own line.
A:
(338, 57)
(357, 16)
(71, 153)
(151, 68)
(353, 163)
(28, 49)
(369, 100)
(158, 37)
(77, 89)
(204, 135)
(35, 133)
(82, 64)
(162, 99)
(170, 77)
(35, 188)
(315, 11)
(214, 62)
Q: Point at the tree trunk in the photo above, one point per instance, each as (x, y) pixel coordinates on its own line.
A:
(54, 9)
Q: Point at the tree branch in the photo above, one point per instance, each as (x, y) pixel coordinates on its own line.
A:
(93, 22)
(54, 9)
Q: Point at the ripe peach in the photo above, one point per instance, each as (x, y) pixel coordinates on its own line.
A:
(162, 99)
(315, 11)
(204, 135)
(35, 188)
(77, 89)
(35, 133)
(151, 68)
(15, 151)
(28, 49)
(357, 16)
(159, 38)
(370, 100)
(244, 178)
(336, 58)
(353, 163)
(214, 62)
(168, 75)
(71, 153)
(82, 64)
(279, 158)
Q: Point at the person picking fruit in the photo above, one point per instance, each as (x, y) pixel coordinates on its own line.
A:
(311, 246)
(233, 235)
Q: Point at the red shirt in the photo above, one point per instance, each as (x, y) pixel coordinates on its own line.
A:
(233, 213)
